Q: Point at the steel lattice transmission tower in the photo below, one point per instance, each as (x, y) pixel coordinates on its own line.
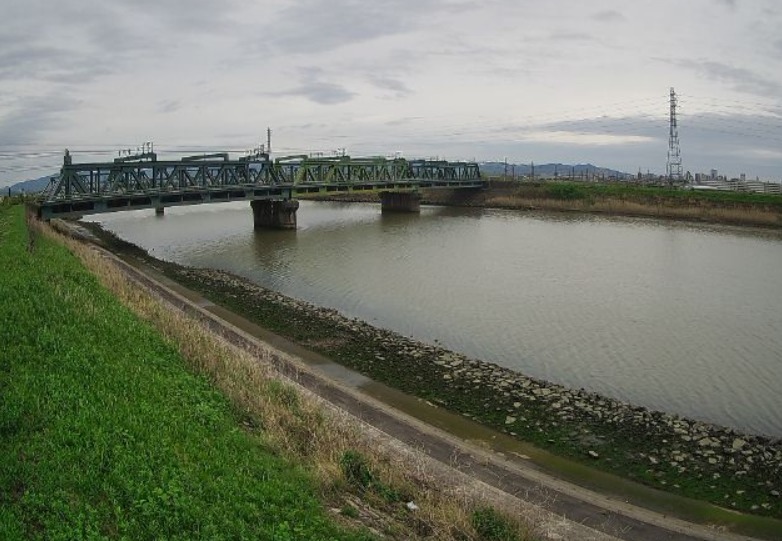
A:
(674, 166)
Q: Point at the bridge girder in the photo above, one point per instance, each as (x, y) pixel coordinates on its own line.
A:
(96, 187)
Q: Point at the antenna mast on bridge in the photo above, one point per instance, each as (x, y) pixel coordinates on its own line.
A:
(674, 165)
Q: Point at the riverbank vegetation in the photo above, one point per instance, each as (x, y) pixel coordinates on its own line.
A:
(106, 434)
(126, 420)
(638, 192)
(619, 198)
(636, 200)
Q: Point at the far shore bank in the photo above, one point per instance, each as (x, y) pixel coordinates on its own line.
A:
(619, 199)
(690, 458)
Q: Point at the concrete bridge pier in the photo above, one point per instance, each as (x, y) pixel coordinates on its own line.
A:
(400, 201)
(274, 213)
(160, 211)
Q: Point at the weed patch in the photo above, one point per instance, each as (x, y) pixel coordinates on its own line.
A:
(357, 472)
(492, 526)
(566, 191)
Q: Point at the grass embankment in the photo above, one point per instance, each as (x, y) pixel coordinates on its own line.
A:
(107, 432)
(104, 431)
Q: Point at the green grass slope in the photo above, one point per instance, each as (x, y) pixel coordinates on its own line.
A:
(104, 434)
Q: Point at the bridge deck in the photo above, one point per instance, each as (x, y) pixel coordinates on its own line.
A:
(78, 206)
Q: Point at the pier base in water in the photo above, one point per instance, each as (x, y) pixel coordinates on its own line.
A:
(400, 201)
(274, 213)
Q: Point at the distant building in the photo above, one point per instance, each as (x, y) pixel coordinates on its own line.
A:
(743, 177)
(713, 174)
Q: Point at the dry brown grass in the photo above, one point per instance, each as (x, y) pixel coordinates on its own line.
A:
(737, 215)
(301, 426)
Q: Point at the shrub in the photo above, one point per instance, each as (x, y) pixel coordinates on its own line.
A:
(566, 191)
(357, 472)
(492, 526)
(355, 469)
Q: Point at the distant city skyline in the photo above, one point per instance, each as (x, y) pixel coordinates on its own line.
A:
(569, 170)
(560, 81)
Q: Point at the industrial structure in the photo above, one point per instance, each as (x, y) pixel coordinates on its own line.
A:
(673, 169)
(140, 180)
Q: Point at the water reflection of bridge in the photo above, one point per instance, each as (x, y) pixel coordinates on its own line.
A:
(142, 181)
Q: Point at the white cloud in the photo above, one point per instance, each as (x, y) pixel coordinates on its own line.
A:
(583, 139)
(609, 16)
(534, 81)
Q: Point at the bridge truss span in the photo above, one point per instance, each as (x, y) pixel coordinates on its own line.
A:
(147, 182)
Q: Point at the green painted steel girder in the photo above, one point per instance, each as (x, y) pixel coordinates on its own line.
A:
(91, 186)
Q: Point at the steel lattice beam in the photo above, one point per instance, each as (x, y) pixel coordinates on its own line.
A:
(122, 184)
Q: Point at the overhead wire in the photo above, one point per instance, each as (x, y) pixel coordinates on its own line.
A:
(487, 124)
(644, 117)
(732, 104)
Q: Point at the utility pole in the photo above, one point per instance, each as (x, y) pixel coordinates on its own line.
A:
(532, 170)
(505, 174)
(269, 141)
(674, 165)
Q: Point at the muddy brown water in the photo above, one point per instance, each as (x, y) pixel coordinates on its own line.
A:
(679, 317)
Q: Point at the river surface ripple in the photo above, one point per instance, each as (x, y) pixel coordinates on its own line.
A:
(678, 317)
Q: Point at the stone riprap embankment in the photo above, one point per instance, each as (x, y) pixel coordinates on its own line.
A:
(692, 458)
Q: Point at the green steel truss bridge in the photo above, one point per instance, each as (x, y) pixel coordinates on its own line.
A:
(142, 181)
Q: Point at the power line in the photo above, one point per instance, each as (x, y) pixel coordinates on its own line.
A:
(734, 104)
(636, 118)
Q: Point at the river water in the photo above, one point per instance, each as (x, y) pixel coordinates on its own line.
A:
(678, 317)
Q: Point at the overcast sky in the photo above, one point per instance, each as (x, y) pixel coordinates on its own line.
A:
(565, 81)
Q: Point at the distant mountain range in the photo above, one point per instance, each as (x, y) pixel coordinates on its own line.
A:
(29, 186)
(550, 170)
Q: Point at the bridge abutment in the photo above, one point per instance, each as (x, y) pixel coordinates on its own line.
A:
(400, 201)
(274, 213)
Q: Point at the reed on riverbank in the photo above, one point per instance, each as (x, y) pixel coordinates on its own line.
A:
(630, 200)
(622, 199)
(713, 214)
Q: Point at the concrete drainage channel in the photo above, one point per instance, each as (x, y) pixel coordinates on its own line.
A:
(571, 512)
